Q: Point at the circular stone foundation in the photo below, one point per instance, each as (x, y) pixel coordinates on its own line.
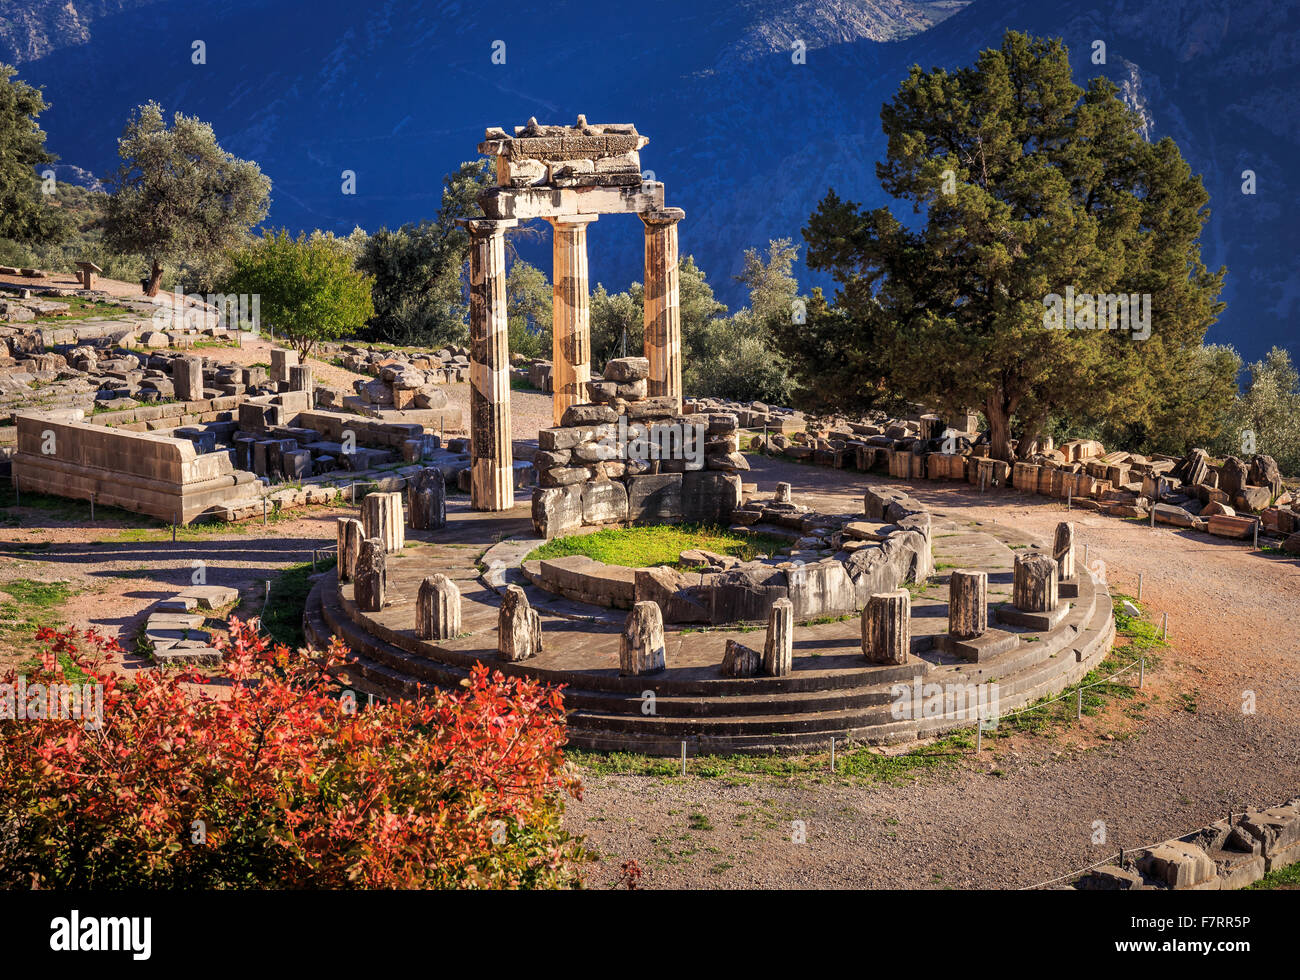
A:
(832, 691)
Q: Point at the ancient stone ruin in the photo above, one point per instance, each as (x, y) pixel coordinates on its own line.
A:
(569, 176)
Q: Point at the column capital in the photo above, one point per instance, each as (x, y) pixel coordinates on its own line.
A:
(663, 216)
(487, 227)
(556, 220)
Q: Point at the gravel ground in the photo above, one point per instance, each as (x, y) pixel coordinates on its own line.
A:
(1026, 813)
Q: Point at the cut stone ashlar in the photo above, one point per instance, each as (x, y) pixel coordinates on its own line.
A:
(887, 627)
(371, 576)
(968, 611)
(437, 609)
(519, 627)
(641, 646)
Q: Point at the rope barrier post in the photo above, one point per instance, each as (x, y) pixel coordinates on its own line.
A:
(266, 599)
(1139, 586)
(263, 510)
(1069, 497)
(1164, 633)
(832, 753)
(1153, 515)
(1142, 672)
(979, 734)
(1256, 536)
(1085, 556)
(683, 757)
(92, 506)
(1078, 711)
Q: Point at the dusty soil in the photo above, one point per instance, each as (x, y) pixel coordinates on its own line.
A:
(1025, 812)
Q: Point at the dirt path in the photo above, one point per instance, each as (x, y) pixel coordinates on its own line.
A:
(1026, 812)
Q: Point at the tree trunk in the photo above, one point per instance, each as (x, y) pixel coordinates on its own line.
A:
(1031, 437)
(155, 277)
(999, 429)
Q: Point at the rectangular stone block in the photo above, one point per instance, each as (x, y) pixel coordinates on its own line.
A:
(653, 498)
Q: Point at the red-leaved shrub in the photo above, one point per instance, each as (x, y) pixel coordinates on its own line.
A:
(280, 785)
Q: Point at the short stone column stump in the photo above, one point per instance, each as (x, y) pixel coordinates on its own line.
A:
(1035, 599)
(887, 627)
(437, 609)
(641, 646)
(519, 627)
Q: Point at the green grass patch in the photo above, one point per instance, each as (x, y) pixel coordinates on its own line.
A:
(85, 308)
(854, 764)
(643, 547)
(1288, 877)
(282, 615)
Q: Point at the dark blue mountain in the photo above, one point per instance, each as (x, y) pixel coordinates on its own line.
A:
(745, 140)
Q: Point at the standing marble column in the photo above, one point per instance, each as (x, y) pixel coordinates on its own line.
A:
(663, 314)
(571, 312)
(491, 458)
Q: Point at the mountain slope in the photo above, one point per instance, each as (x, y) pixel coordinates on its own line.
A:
(746, 140)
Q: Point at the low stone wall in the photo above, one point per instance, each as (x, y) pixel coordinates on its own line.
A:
(141, 472)
(624, 458)
(1228, 854)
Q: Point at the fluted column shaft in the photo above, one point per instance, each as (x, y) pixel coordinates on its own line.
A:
(571, 312)
(663, 314)
(491, 457)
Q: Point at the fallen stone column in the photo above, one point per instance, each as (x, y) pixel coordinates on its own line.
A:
(382, 517)
(371, 576)
(663, 315)
(1063, 551)
(1035, 584)
(887, 627)
(778, 650)
(437, 609)
(571, 319)
(519, 627)
(641, 645)
(351, 534)
(968, 611)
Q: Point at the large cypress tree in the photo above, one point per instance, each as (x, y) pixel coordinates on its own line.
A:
(24, 215)
(1027, 185)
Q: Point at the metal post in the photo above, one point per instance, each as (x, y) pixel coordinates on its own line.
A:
(979, 735)
(263, 510)
(92, 506)
(832, 753)
(1139, 585)
(1256, 536)
(1078, 711)
(266, 601)
(173, 532)
(1069, 497)
(683, 757)
(1164, 633)
(1085, 556)
(1153, 514)
(1142, 672)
